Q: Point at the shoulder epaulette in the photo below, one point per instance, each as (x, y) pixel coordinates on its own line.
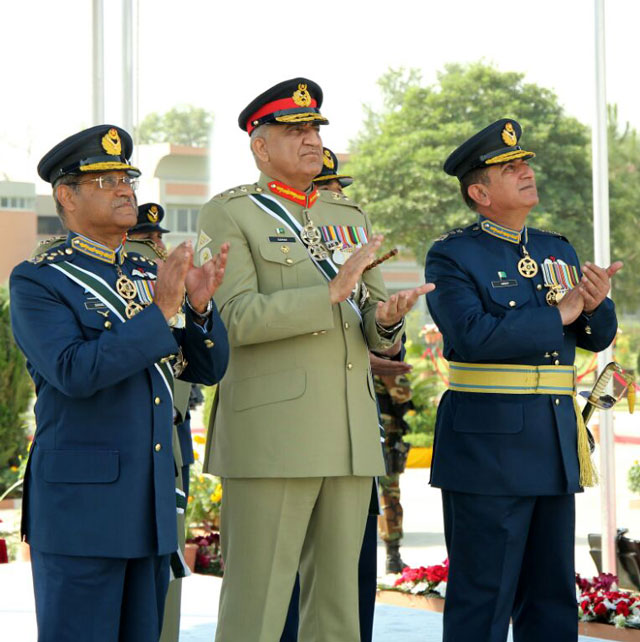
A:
(534, 230)
(240, 190)
(52, 255)
(327, 196)
(458, 232)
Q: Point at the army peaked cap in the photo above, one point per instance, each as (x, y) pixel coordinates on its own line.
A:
(330, 170)
(150, 216)
(495, 144)
(102, 148)
(293, 101)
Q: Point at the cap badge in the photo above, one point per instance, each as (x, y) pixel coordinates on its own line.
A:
(327, 160)
(301, 96)
(509, 135)
(152, 214)
(111, 142)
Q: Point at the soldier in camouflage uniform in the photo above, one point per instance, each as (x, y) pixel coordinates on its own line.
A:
(393, 392)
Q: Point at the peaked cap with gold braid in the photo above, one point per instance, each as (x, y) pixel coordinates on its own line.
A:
(150, 216)
(292, 101)
(102, 148)
(330, 170)
(495, 144)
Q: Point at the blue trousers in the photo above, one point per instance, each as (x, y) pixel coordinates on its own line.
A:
(510, 557)
(367, 573)
(99, 599)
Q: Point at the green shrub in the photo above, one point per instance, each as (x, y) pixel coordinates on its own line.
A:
(15, 394)
(633, 478)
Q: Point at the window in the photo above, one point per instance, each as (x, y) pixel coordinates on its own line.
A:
(16, 203)
(183, 220)
(50, 226)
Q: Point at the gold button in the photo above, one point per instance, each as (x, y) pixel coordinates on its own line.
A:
(68, 251)
(512, 304)
(349, 366)
(315, 334)
(134, 258)
(284, 249)
(157, 401)
(539, 286)
(158, 447)
(547, 355)
(209, 343)
(323, 332)
(557, 402)
(258, 189)
(107, 325)
(554, 353)
(346, 325)
(289, 261)
(557, 362)
(232, 191)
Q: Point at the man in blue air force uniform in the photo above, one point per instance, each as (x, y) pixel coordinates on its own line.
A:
(512, 304)
(94, 323)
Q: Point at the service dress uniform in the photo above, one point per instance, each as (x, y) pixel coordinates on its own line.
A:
(99, 507)
(507, 464)
(294, 434)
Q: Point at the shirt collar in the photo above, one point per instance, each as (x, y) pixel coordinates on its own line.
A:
(304, 199)
(502, 232)
(96, 250)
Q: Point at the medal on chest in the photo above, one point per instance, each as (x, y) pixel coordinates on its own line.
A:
(343, 240)
(311, 236)
(559, 277)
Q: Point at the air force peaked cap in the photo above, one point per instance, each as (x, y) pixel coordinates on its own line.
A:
(150, 216)
(330, 170)
(102, 148)
(495, 144)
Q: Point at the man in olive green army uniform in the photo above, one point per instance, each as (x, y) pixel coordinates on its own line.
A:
(294, 434)
(145, 238)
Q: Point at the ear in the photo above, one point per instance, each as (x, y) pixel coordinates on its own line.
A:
(478, 193)
(67, 197)
(260, 150)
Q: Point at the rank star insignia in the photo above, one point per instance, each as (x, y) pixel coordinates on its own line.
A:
(111, 142)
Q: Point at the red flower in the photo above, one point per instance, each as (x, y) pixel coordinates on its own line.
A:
(600, 609)
(622, 608)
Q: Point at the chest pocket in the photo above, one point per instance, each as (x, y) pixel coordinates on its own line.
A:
(512, 298)
(289, 261)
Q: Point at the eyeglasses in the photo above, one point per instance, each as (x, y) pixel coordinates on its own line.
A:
(111, 182)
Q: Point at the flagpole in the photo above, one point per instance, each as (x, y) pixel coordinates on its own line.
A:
(603, 258)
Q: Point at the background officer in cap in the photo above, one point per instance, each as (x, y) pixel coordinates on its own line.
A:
(510, 452)
(99, 508)
(148, 228)
(294, 434)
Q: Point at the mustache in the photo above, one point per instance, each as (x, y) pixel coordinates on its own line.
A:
(123, 200)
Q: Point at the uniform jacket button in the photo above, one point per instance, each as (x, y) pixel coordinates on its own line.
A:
(158, 447)
(157, 401)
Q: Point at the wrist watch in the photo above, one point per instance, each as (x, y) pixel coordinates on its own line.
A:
(200, 315)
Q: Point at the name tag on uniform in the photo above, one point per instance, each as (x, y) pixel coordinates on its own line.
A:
(504, 283)
(282, 239)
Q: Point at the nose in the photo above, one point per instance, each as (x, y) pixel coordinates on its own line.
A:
(527, 171)
(312, 137)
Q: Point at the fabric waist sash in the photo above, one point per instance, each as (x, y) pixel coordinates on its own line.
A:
(515, 379)
(512, 379)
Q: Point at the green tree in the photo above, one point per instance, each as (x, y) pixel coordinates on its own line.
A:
(15, 394)
(398, 156)
(624, 178)
(181, 125)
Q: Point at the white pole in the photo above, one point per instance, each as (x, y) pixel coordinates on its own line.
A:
(98, 62)
(127, 66)
(602, 258)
